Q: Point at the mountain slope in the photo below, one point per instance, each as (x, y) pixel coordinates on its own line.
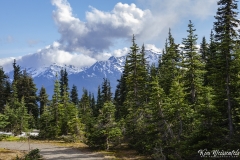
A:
(89, 78)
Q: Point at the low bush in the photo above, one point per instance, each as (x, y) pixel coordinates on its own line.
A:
(32, 155)
(3, 136)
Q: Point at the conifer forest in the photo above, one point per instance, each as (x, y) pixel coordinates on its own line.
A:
(189, 101)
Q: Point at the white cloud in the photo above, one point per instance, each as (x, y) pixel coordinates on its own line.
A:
(103, 56)
(101, 28)
(121, 52)
(47, 56)
(6, 63)
(152, 47)
(83, 43)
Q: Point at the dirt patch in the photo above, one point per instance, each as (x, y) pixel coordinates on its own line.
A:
(57, 150)
(7, 154)
(52, 152)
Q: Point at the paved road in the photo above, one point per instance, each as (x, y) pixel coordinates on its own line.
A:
(52, 152)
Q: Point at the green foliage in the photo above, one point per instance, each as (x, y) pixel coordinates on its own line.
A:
(3, 137)
(104, 95)
(60, 117)
(63, 81)
(27, 89)
(32, 155)
(3, 87)
(136, 80)
(45, 123)
(17, 118)
(74, 95)
(50, 119)
(226, 38)
(168, 65)
(105, 131)
(121, 94)
(193, 77)
(3, 121)
(43, 99)
(189, 102)
(76, 128)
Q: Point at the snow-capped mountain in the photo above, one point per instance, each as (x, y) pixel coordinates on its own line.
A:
(89, 77)
(50, 71)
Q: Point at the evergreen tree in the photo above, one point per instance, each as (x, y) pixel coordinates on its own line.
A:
(92, 101)
(168, 67)
(136, 76)
(74, 95)
(75, 126)
(133, 62)
(55, 111)
(99, 102)
(43, 99)
(178, 114)
(235, 68)
(106, 93)
(18, 118)
(118, 98)
(121, 94)
(86, 115)
(10, 113)
(46, 127)
(207, 127)
(27, 89)
(14, 99)
(16, 71)
(210, 78)
(23, 116)
(3, 83)
(204, 50)
(8, 91)
(225, 36)
(67, 111)
(3, 121)
(63, 81)
(193, 77)
(136, 95)
(85, 109)
(155, 129)
(106, 130)
(144, 91)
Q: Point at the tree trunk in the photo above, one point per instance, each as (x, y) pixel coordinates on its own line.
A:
(229, 108)
(107, 144)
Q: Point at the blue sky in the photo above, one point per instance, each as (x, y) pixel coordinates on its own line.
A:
(68, 30)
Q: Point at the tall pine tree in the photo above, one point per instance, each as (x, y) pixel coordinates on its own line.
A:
(226, 37)
(43, 99)
(194, 68)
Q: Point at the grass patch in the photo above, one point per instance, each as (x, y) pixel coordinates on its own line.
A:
(124, 154)
(6, 154)
(13, 138)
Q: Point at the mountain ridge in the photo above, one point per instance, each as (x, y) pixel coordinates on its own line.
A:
(85, 77)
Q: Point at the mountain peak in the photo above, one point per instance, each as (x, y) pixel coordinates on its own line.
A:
(87, 77)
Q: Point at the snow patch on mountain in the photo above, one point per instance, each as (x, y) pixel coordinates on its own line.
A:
(85, 77)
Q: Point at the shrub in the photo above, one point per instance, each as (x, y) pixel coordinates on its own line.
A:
(3, 136)
(32, 155)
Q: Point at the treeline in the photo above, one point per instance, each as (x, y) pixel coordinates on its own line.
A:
(189, 101)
